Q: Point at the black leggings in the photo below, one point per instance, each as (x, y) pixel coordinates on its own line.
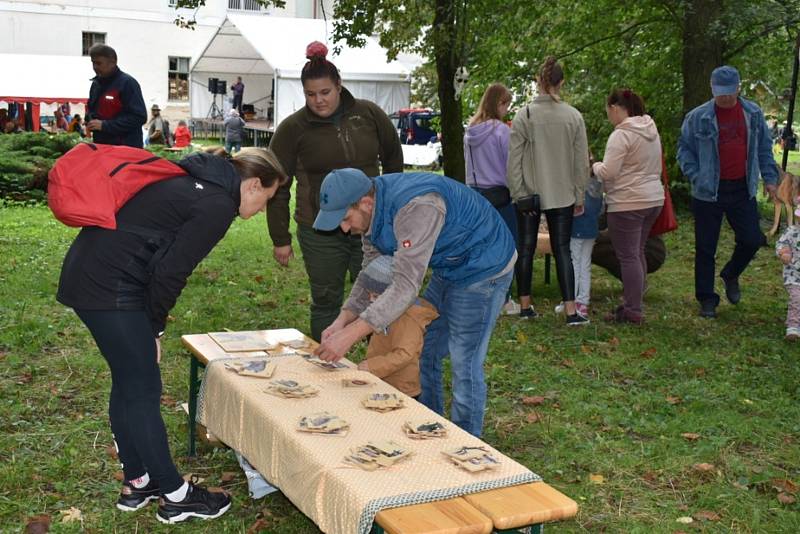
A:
(559, 224)
(125, 339)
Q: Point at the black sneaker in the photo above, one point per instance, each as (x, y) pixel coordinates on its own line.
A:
(576, 319)
(132, 498)
(528, 313)
(199, 502)
(732, 291)
(708, 309)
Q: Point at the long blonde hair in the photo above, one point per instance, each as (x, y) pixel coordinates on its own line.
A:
(495, 94)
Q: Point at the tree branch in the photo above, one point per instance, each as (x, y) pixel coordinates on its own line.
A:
(726, 56)
(629, 29)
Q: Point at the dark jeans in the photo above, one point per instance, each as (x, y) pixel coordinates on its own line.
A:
(125, 339)
(629, 231)
(328, 256)
(237, 103)
(734, 202)
(559, 225)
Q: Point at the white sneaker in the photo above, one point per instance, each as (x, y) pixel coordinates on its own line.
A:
(511, 308)
(792, 333)
(559, 309)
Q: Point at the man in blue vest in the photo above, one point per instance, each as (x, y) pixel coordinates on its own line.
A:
(425, 220)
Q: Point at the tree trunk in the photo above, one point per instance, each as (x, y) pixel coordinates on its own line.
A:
(702, 50)
(444, 47)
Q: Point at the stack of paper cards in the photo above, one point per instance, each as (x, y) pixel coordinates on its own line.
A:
(297, 343)
(242, 341)
(355, 383)
(328, 366)
(383, 402)
(289, 389)
(323, 423)
(257, 368)
(374, 455)
(472, 459)
(424, 429)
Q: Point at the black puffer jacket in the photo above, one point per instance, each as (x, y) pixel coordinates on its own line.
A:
(126, 270)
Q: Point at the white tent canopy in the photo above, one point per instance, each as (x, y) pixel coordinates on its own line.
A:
(269, 52)
(45, 79)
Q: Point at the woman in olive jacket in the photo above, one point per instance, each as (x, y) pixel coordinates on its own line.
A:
(332, 131)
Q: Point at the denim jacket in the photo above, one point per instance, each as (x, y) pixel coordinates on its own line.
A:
(698, 150)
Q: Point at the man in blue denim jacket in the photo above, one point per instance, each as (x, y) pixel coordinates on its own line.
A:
(725, 145)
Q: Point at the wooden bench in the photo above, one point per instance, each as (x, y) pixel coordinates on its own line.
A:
(500, 510)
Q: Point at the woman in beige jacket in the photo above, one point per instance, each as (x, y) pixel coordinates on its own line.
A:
(631, 175)
(549, 158)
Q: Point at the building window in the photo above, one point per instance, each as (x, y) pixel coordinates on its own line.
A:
(92, 38)
(244, 5)
(178, 78)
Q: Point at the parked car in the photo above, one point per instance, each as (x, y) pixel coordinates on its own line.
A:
(414, 125)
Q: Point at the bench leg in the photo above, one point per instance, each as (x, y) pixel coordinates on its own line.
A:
(547, 269)
(194, 367)
(532, 529)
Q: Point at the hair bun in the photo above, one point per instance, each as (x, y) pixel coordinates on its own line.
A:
(316, 49)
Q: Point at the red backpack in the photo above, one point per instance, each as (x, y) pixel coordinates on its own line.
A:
(90, 183)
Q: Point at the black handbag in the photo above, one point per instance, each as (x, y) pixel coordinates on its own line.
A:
(530, 205)
(498, 195)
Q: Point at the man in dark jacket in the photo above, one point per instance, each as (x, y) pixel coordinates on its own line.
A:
(116, 110)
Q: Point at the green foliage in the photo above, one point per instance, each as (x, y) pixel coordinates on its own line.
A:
(25, 160)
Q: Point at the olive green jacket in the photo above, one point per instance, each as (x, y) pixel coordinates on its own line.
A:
(309, 147)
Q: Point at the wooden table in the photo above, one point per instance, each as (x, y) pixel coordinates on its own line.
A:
(500, 510)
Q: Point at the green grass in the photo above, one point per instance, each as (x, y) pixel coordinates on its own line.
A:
(619, 397)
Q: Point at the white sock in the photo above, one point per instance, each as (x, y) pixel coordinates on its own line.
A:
(179, 494)
(140, 482)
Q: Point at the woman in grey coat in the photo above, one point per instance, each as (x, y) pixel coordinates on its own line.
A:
(234, 132)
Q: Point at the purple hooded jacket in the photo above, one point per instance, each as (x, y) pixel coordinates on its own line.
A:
(486, 153)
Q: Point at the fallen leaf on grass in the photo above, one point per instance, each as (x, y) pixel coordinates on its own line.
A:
(263, 519)
(686, 520)
(649, 353)
(700, 371)
(614, 341)
(567, 363)
(586, 349)
(73, 514)
(198, 480)
(258, 278)
(119, 475)
(704, 467)
(597, 479)
(785, 498)
(227, 476)
(674, 400)
(533, 401)
(521, 338)
(786, 486)
(171, 318)
(690, 436)
(38, 524)
(112, 452)
(533, 417)
(24, 378)
(168, 401)
(706, 515)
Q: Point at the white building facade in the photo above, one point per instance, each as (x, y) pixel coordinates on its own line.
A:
(149, 45)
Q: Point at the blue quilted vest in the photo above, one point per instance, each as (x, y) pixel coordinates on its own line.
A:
(474, 243)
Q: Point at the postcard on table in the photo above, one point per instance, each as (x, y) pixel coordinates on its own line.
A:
(241, 341)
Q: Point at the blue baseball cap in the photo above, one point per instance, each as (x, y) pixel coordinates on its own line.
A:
(340, 189)
(724, 81)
